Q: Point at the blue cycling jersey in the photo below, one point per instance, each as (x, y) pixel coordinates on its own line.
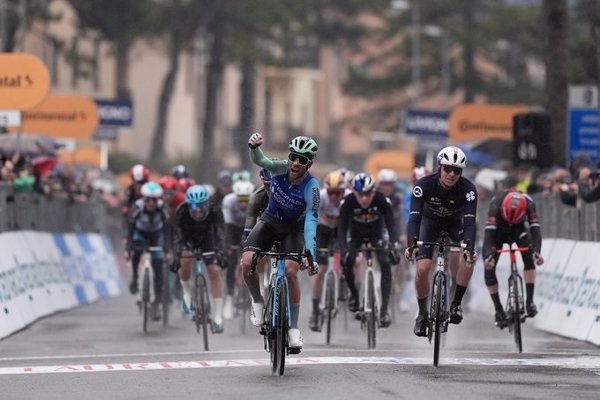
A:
(290, 203)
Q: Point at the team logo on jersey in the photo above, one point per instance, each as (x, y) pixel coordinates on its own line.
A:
(417, 191)
(470, 196)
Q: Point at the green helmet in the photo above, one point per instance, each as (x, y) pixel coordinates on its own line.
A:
(303, 145)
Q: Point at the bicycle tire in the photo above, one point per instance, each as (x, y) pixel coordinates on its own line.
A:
(273, 330)
(329, 305)
(516, 314)
(371, 315)
(203, 313)
(145, 300)
(166, 295)
(282, 327)
(438, 320)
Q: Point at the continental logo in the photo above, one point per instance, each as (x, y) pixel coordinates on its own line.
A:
(15, 81)
(481, 121)
(467, 126)
(58, 116)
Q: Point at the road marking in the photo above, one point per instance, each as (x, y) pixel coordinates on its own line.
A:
(586, 363)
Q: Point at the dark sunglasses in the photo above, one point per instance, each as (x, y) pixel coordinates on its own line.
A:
(365, 194)
(150, 200)
(335, 192)
(302, 160)
(449, 168)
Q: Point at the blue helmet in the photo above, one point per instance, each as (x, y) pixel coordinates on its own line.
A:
(197, 197)
(265, 175)
(363, 183)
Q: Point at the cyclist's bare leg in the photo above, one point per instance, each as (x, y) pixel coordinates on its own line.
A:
(422, 283)
(529, 276)
(186, 263)
(216, 287)
(260, 267)
(251, 280)
(463, 277)
(291, 271)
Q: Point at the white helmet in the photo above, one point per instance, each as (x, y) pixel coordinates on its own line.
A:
(152, 189)
(243, 190)
(452, 156)
(387, 175)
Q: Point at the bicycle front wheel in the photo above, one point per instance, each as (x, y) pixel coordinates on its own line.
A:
(516, 313)
(282, 326)
(145, 299)
(329, 305)
(438, 316)
(371, 315)
(166, 295)
(201, 315)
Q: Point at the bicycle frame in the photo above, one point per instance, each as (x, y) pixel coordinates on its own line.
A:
(515, 297)
(276, 344)
(438, 307)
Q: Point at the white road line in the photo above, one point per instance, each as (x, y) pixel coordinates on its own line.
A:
(586, 363)
(248, 351)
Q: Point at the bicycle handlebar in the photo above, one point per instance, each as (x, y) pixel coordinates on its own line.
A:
(513, 249)
(277, 254)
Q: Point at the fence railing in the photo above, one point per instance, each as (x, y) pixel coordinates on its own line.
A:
(32, 211)
(567, 222)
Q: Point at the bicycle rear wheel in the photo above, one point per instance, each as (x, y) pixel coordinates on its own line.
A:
(371, 315)
(329, 305)
(438, 315)
(516, 313)
(274, 328)
(145, 300)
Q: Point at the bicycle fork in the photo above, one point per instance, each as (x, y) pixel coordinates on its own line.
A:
(515, 282)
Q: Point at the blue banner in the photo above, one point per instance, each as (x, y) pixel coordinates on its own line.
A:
(426, 123)
(584, 132)
(115, 112)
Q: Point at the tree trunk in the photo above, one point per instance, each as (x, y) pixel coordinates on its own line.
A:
(247, 108)
(158, 143)
(122, 71)
(555, 22)
(470, 77)
(214, 78)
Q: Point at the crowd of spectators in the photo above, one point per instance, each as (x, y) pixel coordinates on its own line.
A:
(45, 175)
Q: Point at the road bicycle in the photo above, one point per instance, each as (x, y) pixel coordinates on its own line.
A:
(277, 314)
(515, 304)
(201, 307)
(146, 295)
(371, 301)
(331, 293)
(438, 305)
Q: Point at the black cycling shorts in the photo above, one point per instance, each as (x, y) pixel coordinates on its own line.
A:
(207, 244)
(521, 238)
(430, 232)
(326, 238)
(268, 230)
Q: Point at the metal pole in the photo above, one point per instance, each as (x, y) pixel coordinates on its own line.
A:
(445, 68)
(416, 50)
(22, 24)
(3, 26)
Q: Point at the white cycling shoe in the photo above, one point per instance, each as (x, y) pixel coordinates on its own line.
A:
(294, 339)
(256, 313)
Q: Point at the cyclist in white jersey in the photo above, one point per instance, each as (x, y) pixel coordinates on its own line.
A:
(329, 211)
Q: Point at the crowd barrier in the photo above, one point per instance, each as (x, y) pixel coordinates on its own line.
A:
(42, 273)
(567, 289)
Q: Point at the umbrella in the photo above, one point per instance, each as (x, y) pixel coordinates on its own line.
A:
(28, 144)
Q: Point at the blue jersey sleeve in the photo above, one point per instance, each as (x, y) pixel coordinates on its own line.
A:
(311, 218)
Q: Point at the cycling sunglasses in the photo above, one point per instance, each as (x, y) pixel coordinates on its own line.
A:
(198, 206)
(449, 168)
(150, 200)
(302, 160)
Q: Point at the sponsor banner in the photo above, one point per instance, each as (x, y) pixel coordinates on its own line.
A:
(426, 123)
(481, 121)
(10, 118)
(87, 155)
(24, 81)
(62, 116)
(550, 283)
(117, 113)
(400, 161)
